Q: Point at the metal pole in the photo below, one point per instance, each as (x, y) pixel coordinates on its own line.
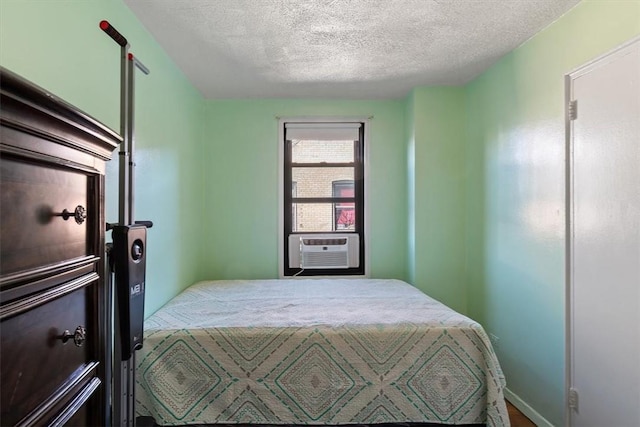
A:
(123, 396)
(128, 366)
(129, 167)
(108, 317)
(121, 368)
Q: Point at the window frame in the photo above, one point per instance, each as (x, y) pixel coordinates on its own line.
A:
(285, 198)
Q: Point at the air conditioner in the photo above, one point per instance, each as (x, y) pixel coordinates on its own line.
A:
(312, 251)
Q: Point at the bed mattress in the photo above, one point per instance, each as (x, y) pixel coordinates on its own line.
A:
(315, 351)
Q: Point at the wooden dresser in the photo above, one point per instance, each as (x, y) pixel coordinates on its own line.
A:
(54, 310)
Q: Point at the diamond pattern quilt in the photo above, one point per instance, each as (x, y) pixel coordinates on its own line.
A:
(316, 351)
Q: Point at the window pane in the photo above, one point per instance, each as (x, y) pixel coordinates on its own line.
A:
(319, 182)
(309, 151)
(323, 217)
(344, 213)
(343, 188)
(345, 216)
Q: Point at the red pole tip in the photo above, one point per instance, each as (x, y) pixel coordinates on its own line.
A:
(104, 25)
(131, 57)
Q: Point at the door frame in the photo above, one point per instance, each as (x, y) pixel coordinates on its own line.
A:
(569, 77)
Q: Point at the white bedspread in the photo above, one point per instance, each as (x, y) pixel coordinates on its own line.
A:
(316, 351)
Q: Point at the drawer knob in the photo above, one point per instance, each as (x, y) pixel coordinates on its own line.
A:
(79, 336)
(79, 214)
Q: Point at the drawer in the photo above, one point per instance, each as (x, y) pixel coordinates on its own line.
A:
(35, 362)
(76, 412)
(70, 405)
(34, 230)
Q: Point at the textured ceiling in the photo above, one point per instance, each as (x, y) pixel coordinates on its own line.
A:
(359, 49)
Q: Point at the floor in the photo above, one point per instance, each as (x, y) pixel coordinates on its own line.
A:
(517, 418)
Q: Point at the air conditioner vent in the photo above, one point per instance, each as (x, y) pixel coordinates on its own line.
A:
(325, 259)
(324, 242)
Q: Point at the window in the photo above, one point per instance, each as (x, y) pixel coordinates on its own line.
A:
(323, 187)
(344, 214)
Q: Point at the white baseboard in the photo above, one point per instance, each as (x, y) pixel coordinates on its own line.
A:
(523, 407)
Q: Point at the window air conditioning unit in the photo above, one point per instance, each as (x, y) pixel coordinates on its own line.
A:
(313, 251)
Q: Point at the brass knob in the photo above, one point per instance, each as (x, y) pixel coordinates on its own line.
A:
(79, 214)
(79, 336)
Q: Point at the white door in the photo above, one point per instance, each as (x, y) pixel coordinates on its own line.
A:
(604, 241)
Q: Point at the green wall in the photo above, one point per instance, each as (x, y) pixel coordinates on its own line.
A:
(515, 196)
(436, 153)
(241, 195)
(410, 159)
(58, 45)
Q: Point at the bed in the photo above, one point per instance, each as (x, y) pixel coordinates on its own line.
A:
(315, 352)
